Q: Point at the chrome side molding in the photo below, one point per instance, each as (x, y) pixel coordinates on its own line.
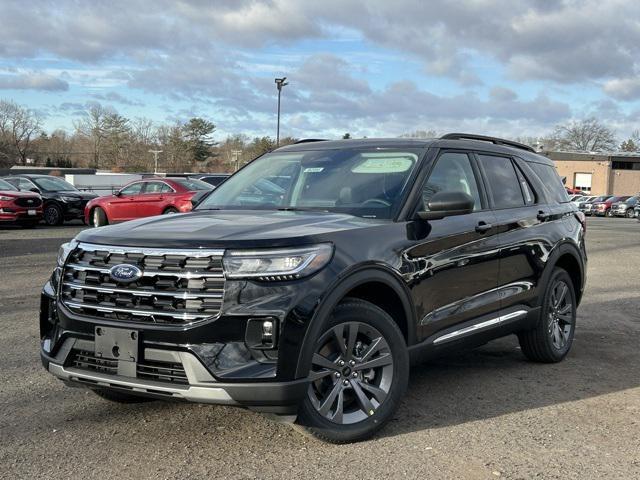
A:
(480, 326)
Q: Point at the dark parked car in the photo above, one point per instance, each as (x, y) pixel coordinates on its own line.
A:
(625, 208)
(144, 198)
(214, 179)
(22, 208)
(62, 201)
(314, 302)
(603, 208)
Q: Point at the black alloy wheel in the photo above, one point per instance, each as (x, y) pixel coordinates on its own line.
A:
(53, 215)
(551, 339)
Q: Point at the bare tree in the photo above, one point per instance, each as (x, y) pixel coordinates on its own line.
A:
(587, 135)
(92, 127)
(18, 127)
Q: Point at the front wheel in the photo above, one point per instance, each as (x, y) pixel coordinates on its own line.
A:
(53, 215)
(359, 373)
(170, 211)
(99, 217)
(552, 338)
(609, 213)
(629, 213)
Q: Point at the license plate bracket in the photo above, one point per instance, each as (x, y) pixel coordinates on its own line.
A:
(118, 344)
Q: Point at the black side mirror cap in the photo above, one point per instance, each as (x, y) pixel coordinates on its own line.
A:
(34, 190)
(199, 197)
(447, 204)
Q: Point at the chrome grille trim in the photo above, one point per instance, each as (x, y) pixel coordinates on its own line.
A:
(144, 293)
(178, 286)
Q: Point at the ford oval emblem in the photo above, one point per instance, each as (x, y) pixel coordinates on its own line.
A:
(125, 273)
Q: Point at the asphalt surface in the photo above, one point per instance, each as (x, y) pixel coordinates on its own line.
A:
(482, 414)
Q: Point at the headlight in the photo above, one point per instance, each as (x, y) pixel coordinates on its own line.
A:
(277, 264)
(64, 198)
(65, 250)
(5, 199)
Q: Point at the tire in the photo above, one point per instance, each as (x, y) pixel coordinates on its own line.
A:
(629, 213)
(551, 340)
(98, 217)
(608, 213)
(53, 215)
(170, 211)
(120, 397)
(339, 413)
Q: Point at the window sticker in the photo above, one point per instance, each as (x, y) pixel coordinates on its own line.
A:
(384, 165)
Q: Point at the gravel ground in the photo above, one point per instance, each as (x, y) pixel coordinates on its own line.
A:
(483, 414)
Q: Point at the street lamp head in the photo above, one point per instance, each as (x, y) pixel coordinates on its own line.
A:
(281, 82)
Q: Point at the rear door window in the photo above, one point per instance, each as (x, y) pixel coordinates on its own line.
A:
(503, 180)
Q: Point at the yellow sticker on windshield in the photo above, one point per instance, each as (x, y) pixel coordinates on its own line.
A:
(384, 165)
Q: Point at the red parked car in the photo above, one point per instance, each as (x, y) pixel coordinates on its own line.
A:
(144, 198)
(601, 209)
(22, 208)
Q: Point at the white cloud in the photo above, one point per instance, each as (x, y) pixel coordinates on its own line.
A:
(32, 81)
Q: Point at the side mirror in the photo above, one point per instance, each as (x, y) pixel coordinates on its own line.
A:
(447, 204)
(34, 190)
(118, 193)
(199, 197)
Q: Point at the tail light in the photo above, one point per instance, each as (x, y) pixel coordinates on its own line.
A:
(582, 219)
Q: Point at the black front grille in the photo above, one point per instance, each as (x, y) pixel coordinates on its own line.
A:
(176, 287)
(85, 360)
(168, 372)
(28, 202)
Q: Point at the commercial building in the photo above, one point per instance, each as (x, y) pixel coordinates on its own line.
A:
(599, 173)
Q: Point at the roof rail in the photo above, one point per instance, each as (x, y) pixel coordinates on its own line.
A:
(483, 138)
(309, 140)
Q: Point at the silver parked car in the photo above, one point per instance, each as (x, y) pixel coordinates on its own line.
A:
(626, 208)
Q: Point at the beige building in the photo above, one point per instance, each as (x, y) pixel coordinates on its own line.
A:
(599, 173)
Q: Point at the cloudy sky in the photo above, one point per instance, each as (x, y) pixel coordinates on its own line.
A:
(374, 68)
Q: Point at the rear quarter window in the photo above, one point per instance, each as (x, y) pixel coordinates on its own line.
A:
(551, 180)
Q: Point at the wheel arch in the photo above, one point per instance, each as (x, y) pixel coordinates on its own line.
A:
(378, 285)
(568, 256)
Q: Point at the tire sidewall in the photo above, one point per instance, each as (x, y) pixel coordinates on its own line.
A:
(367, 313)
(102, 217)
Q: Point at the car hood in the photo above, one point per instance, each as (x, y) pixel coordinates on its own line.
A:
(229, 228)
(13, 193)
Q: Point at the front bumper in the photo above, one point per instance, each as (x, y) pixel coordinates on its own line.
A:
(211, 359)
(19, 214)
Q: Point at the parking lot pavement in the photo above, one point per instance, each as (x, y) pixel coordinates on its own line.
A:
(484, 414)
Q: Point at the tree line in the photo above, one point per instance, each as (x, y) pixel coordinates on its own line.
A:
(104, 139)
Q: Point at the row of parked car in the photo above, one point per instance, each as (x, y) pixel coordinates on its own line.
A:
(608, 205)
(26, 200)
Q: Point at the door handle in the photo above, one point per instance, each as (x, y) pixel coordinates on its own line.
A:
(483, 227)
(542, 215)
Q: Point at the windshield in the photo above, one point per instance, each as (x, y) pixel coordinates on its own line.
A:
(632, 201)
(192, 184)
(53, 184)
(365, 183)
(7, 187)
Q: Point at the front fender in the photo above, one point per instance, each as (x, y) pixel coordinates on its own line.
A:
(349, 280)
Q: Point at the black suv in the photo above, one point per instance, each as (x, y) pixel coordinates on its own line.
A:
(312, 297)
(62, 201)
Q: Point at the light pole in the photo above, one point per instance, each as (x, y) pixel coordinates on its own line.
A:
(155, 159)
(280, 82)
(235, 158)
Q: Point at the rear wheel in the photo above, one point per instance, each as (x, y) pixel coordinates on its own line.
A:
(99, 217)
(53, 215)
(120, 397)
(359, 373)
(552, 338)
